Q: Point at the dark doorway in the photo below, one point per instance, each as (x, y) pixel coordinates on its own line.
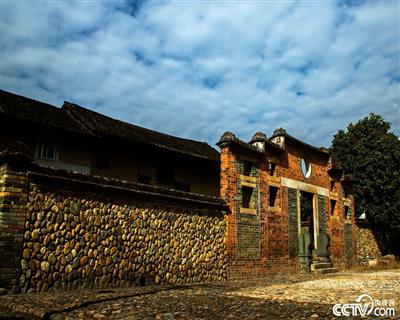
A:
(306, 218)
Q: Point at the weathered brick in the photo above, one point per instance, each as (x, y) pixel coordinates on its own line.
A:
(268, 239)
(13, 199)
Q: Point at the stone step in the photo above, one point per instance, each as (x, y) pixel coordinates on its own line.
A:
(325, 271)
(320, 265)
(320, 259)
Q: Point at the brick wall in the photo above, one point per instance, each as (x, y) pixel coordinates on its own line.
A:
(266, 239)
(258, 239)
(248, 229)
(290, 166)
(229, 176)
(322, 213)
(13, 198)
(293, 223)
(342, 230)
(336, 223)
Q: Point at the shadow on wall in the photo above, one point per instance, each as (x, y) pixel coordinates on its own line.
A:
(388, 240)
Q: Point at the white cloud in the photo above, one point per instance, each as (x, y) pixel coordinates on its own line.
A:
(197, 69)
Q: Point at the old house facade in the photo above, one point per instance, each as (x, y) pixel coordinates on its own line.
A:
(77, 139)
(289, 206)
(90, 201)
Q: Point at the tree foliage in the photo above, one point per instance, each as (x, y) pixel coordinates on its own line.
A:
(371, 153)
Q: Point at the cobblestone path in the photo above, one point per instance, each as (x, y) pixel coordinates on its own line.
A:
(274, 297)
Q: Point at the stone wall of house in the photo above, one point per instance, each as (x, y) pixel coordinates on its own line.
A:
(367, 246)
(106, 235)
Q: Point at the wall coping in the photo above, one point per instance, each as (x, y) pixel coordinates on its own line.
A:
(40, 174)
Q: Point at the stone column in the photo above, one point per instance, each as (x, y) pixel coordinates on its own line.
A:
(13, 199)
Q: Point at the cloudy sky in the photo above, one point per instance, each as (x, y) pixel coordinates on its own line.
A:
(197, 69)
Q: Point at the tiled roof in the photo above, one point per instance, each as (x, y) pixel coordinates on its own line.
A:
(72, 117)
(29, 110)
(104, 126)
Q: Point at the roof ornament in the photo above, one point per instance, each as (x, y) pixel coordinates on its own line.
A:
(259, 137)
(279, 132)
(259, 140)
(226, 139)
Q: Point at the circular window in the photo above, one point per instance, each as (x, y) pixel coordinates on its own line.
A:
(305, 168)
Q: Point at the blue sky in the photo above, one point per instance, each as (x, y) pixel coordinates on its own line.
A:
(197, 69)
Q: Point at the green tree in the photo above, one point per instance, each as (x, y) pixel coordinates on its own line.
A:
(371, 153)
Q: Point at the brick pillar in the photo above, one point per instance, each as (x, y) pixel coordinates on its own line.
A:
(293, 228)
(13, 200)
(264, 196)
(228, 190)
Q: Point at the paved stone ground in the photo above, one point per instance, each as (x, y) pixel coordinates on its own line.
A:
(275, 297)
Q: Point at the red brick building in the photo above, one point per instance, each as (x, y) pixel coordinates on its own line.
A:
(290, 209)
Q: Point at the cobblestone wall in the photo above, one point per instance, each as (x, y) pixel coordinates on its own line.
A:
(367, 246)
(71, 242)
(61, 230)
